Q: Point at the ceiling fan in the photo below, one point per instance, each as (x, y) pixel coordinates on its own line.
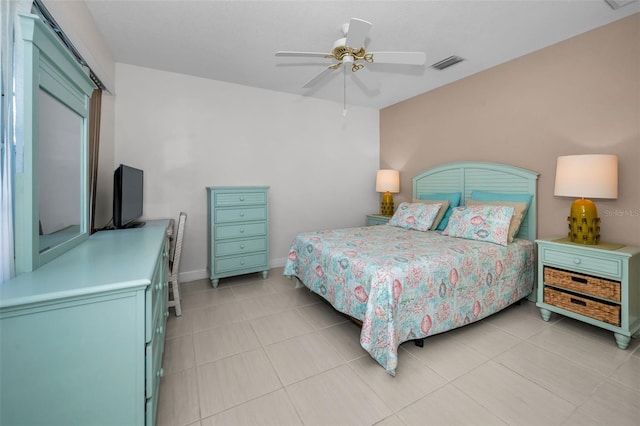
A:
(350, 50)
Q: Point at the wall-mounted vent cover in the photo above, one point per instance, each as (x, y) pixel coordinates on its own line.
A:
(446, 63)
(617, 4)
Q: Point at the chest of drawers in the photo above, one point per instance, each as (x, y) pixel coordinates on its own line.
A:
(592, 284)
(238, 231)
(83, 336)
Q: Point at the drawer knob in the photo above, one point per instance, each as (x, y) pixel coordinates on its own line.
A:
(242, 230)
(241, 214)
(160, 372)
(241, 198)
(576, 261)
(242, 262)
(159, 330)
(242, 246)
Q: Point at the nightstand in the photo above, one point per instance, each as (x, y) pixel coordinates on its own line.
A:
(377, 219)
(599, 285)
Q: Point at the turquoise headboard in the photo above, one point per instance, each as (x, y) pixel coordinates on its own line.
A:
(465, 177)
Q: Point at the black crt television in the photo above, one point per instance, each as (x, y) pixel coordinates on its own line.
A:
(127, 197)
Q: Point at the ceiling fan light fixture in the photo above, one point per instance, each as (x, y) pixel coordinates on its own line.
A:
(447, 62)
(617, 4)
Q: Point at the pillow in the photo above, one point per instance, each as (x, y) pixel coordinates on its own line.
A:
(497, 196)
(417, 216)
(454, 201)
(441, 212)
(520, 210)
(481, 223)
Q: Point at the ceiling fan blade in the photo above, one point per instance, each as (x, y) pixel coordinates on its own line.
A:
(302, 54)
(320, 76)
(357, 33)
(404, 58)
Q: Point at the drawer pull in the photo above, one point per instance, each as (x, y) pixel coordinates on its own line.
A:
(242, 246)
(160, 372)
(241, 198)
(579, 280)
(241, 214)
(242, 262)
(242, 230)
(159, 330)
(576, 261)
(578, 302)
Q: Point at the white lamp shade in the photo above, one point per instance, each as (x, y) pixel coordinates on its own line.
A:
(587, 176)
(388, 180)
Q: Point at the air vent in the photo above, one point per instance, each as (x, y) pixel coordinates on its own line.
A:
(617, 4)
(446, 63)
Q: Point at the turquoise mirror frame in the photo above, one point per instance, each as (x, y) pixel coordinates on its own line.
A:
(48, 67)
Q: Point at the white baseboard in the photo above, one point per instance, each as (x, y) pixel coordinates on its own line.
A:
(187, 276)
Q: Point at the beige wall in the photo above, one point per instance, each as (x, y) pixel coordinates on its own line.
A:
(580, 96)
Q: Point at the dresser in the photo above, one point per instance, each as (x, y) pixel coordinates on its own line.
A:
(238, 231)
(596, 284)
(83, 336)
(377, 219)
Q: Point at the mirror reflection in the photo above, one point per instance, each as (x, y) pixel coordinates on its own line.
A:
(60, 154)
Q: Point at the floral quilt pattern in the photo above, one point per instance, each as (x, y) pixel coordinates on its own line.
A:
(405, 284)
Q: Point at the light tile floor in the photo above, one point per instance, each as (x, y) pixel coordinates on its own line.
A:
(257, 351)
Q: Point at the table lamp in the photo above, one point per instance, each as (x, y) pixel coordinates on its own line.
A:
(387, 181)
(593, 176)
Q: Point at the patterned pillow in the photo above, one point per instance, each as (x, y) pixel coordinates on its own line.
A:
(481, 223)
(441, 212)
(418, 216)
(520, 210)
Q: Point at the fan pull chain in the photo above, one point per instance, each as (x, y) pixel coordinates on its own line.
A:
(344, 91)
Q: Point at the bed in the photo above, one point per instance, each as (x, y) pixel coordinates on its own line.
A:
(407, 284)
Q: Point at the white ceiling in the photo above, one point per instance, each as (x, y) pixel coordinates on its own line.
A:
(235, 41)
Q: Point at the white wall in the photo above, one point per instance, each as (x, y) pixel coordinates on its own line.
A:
(188, 133)
(77, 23)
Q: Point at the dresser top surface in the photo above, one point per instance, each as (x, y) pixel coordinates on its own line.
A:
(107, 261)
(237, 188)
(605, 249)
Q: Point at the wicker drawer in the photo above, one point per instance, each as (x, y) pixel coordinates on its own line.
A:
(600, 311)
(586, 284)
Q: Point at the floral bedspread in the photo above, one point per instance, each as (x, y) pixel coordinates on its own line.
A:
(405, 284)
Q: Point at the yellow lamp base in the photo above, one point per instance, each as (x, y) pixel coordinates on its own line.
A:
(386, 206)
(584, 223)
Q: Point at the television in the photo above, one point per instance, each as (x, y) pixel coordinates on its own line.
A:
(127, 197)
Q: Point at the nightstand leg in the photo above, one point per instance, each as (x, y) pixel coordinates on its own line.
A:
(546, 314)
(214, 282)
(265, 274)
(621, 340)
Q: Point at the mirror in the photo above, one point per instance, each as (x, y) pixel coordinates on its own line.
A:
(59, 173)
(51, 176)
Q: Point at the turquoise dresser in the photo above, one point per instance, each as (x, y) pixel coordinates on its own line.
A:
(238, 231)
(82, 336)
